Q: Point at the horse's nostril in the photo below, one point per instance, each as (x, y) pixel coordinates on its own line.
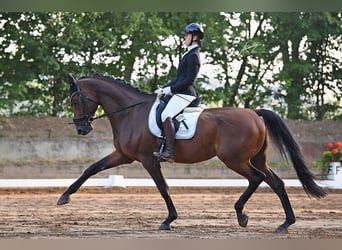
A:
(84, 130)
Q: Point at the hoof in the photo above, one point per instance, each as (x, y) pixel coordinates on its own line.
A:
(243, 220)
(281, 230)
(64, 199)
(164, 227)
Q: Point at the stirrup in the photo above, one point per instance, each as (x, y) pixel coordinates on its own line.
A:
(156, 154)
(161, 158)
(167, 159)
(161, 147)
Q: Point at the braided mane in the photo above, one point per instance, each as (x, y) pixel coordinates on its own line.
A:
(113, 80)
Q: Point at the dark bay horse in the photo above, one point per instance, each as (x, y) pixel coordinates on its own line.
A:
(238, 137)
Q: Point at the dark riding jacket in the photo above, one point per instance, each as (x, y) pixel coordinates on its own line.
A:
(186, 74)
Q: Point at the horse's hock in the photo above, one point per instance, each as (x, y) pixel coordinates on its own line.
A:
(52, 140)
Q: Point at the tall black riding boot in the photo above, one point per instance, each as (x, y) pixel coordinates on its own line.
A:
(169, 133)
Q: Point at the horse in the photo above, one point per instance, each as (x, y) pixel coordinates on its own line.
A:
(238, 137)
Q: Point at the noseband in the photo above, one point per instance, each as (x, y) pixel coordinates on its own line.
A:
(88, 118)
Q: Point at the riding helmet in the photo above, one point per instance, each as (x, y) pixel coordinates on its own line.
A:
(195, 28)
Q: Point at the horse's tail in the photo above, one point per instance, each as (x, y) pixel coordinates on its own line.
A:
(284, 141)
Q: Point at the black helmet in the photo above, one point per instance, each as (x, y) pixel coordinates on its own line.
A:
(195, 28)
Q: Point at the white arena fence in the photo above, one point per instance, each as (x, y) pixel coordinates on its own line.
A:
(120, 181)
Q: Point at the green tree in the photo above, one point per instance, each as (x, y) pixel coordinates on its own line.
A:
(235, 40)
(324, 41)
(25, 58)
(284, 58)
(304, 41)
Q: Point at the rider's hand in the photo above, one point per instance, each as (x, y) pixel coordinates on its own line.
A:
(159, 91)
(167, 91)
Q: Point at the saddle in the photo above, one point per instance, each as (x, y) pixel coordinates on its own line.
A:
(185, 122)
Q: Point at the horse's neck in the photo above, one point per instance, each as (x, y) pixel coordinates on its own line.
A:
(119, 100)
(112, 102)
(113, 96)
(116, 99)
(128, 118)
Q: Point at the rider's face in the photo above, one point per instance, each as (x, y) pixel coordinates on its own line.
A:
(187, 39)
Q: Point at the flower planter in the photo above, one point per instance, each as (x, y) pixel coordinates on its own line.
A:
(335, 171)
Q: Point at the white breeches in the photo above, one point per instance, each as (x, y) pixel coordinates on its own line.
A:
(177, 103)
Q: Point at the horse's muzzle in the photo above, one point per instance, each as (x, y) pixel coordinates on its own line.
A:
(83, 124)
(84, 130)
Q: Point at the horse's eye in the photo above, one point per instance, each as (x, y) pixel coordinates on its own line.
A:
(74, 102)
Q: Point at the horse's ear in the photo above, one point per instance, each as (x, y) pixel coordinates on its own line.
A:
(71, 79)
(73, 84)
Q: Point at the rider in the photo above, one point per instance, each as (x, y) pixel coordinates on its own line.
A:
(182, 88)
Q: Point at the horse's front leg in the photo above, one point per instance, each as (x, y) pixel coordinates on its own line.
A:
(154, 170)
(112, 160)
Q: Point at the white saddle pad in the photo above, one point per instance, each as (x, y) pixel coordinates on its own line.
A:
(190, 114)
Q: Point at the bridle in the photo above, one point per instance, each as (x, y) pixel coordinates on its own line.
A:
(89, 118)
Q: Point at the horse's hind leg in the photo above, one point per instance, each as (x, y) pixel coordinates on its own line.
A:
(255, 177)
(278, 187)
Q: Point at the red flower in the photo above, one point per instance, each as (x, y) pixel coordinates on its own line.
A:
(330, 145)
(335, 151)
(338, 144)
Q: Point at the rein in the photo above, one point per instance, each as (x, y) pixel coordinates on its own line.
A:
(116, 111)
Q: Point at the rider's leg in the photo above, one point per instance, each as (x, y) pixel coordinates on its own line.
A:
(169, 133)
(176, 104)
